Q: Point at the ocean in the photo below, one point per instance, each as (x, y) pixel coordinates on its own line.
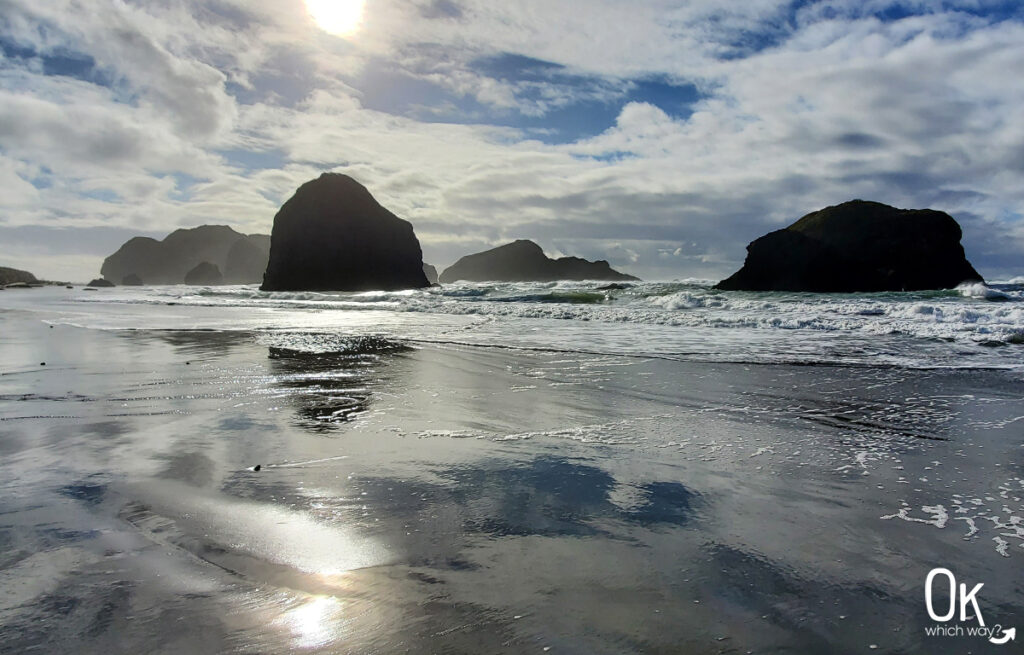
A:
(562, 467)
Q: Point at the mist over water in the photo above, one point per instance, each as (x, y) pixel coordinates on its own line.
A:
(505, 468)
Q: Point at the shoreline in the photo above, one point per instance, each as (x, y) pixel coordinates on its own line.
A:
(615, 502)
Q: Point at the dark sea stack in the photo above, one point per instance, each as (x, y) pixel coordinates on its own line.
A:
(167, 261)
(131, 280)
(333, 236)
(204, 274)
(430, 272)
(100, 282)
(858, 246)
(15, 276)
(525, 261)
(247, 260)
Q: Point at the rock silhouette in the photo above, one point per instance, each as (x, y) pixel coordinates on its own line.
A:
(247, 260)
(204, 273)
(100, 282)
(430, 272)
(857, 246)
(332, 235)
(242, 258)
(13, 276)
(525, 261)
(131, 280)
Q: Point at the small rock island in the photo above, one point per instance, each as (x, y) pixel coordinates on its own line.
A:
(858, 246)
(332, 235)
(525, 261)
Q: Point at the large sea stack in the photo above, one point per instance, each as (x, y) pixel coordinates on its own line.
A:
(858, 246)
(333, 236)
(525, 261)
(242, 258)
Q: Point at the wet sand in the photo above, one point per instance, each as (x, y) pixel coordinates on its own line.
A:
(429, 498)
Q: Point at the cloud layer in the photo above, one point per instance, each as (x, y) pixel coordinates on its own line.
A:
(660, 135)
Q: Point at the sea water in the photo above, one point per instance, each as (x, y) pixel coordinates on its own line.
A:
(661, 467)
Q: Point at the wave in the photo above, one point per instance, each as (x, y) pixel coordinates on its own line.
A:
(570, 297)
(982, 290)
(949, 327)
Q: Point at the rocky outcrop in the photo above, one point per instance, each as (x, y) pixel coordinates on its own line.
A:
(100, 282)
(167, 261)
(332, 235)
(247, 260)
(131, 280)
(858, 246)
(524, 261)
(15, 276)
(430, 272)
(205, 274)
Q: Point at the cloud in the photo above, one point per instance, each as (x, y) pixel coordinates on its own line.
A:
(134, 47)
(660, 135)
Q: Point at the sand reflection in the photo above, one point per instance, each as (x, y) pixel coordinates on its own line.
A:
(315, 623)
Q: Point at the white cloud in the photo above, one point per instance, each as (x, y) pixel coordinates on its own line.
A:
(827, 104)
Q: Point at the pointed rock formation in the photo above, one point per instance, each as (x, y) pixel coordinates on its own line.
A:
(525, 261)
(858, 246)
(205, 274)
(430, 272)
(333, 236)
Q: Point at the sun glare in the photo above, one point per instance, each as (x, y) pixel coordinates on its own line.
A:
(315, 623)
(340, 17)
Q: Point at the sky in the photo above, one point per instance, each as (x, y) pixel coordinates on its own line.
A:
(661, 135)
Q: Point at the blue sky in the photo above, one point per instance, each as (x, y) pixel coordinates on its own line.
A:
(660, 135)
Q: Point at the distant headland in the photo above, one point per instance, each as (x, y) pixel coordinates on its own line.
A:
(239, 258)
(10, 276)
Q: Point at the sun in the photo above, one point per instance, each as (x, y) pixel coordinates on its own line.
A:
(340, 17)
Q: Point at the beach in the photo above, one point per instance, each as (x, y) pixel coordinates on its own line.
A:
(504, 470)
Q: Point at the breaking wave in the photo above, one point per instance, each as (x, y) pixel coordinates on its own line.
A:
(967, 324)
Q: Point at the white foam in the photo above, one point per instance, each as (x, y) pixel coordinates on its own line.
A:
(981, 290)
(730, 326)
(938, 513)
